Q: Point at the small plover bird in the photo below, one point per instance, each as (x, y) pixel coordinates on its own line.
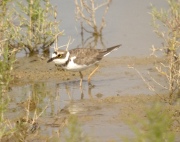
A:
(79, 59)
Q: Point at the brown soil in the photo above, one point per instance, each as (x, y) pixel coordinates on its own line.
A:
(37, 69)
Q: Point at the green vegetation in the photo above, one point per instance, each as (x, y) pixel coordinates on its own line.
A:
(7, 59)
(29, 25)
(23, 25)
(6, 67)
(167, 26)
(5, 78)
(159, 121)
(37, 27)
(155, 128)
(74, 132)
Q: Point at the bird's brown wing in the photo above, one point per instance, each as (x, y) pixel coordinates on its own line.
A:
(89, 56)
(86, 56)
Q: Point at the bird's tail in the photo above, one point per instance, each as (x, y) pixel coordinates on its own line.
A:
(108, 50)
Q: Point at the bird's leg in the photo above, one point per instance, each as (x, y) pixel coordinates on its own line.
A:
(81, 79)
(89, 77)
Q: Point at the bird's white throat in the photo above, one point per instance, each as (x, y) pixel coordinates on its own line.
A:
(61, 61)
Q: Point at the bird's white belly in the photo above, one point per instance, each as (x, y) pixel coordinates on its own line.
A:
(75, 67)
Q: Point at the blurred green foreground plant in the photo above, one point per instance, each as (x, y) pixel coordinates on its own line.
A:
(155, 128)
(6, 64)
(74, 132)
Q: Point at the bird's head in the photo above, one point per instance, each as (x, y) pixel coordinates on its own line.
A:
(59, 57)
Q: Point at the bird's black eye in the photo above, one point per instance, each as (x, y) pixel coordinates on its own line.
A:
(60, 55)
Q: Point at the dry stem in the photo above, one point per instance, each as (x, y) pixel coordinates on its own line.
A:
(86, 11)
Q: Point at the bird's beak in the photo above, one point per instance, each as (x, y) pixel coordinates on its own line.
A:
(50, 60)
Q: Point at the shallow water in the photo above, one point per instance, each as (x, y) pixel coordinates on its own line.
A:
(127, 22)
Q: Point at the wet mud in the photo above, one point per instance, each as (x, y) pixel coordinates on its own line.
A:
(57, 90)
(37, 69)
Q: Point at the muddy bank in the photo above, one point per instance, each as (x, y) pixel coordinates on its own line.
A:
(33, 69)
